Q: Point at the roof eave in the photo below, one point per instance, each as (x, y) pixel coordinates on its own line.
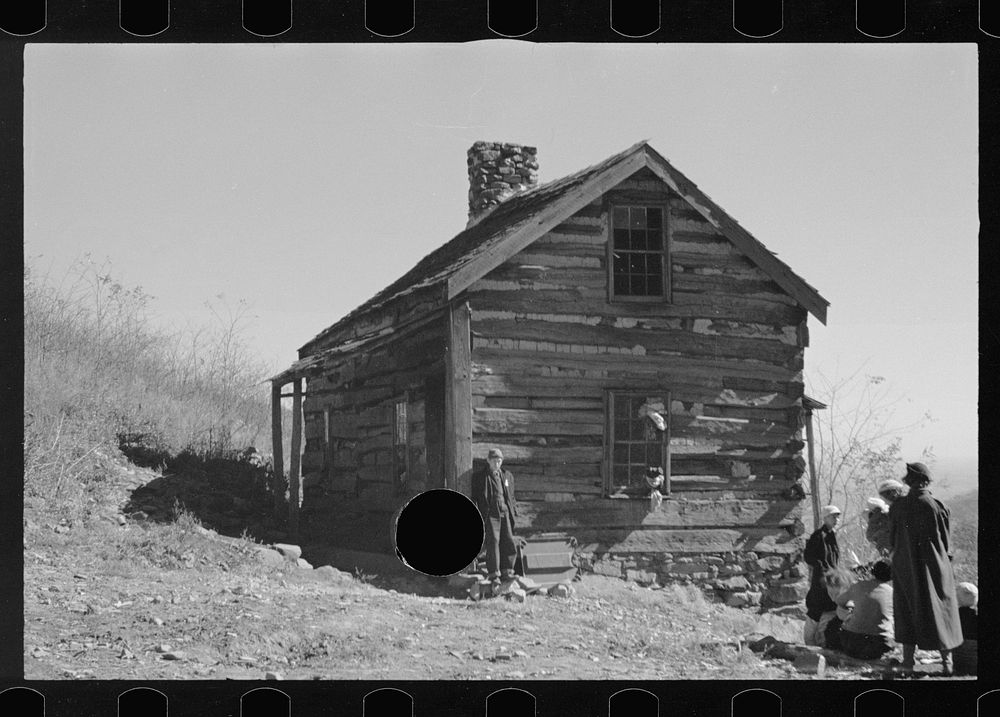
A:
(778, 270)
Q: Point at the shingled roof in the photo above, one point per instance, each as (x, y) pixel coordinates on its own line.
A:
(523, 218)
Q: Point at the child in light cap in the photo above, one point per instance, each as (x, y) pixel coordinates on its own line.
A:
(965, 655)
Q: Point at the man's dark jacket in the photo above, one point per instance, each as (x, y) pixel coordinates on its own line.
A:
(822, 553)
(482, 493)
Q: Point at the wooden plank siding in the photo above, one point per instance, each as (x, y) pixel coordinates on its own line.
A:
(728, 347)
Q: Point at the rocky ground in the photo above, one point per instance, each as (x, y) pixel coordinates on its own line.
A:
(118, 595)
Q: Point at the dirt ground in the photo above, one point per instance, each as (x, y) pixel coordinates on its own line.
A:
(109, 598)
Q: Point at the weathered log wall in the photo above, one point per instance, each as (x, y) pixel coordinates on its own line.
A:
(349, 415)
(727, 348)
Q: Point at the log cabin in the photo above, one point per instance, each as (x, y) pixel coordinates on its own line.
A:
(557, 326)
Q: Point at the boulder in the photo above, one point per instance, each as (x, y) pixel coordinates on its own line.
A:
(737, 599)
(771, 563)
(516, 595)
(811, 663)
(737, 583)
(480, 589)
(291, 552)
(562, 590)
(303, 563)
(786, 592)
(641, 576)
(611, 568)
(331, 574)
(271, 558)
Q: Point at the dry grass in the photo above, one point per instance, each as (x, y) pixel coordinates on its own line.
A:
(99, 377)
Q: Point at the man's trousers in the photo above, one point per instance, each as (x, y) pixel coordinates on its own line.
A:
(501, 552)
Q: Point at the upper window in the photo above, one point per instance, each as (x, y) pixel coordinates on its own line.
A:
(638, 248)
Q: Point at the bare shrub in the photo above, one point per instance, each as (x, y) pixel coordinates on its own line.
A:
(857, 445)
(100, 377)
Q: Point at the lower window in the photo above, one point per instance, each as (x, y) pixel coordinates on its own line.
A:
(638, 439)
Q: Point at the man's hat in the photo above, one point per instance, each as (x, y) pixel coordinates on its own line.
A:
(829, 510)
(494, 453)
(917, 473)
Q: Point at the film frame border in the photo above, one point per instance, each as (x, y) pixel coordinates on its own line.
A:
(694, 21)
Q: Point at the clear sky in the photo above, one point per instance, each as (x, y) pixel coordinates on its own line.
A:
(304, 178)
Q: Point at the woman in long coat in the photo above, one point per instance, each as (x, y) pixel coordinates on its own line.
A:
(925, 606)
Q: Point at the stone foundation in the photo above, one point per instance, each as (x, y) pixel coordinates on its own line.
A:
(740, 579)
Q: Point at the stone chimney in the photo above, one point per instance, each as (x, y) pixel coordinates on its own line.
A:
(496, 171)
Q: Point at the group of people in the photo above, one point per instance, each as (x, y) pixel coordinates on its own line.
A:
(908, 595)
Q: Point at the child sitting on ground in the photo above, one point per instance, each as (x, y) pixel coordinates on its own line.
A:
(867, 632)
(837, 581)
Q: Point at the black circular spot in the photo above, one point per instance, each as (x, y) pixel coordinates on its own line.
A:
(439, 532)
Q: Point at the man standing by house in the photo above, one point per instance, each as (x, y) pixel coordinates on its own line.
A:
(821, 554)
(493, 494)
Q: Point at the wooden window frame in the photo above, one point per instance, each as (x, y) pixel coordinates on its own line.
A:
(396, 402)
(328, 456)
(610, 397)
(664, 206)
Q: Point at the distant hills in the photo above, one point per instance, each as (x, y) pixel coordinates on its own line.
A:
(954, 476)
(965, 534)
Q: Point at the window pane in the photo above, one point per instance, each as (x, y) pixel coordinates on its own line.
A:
(621, 284)
(654, 217)
(636, 264)
(639, 239)
(635, 428)
(620, 262)
(621, 238)
(620, 217)
(637, 218)
(637, 285)
(621, 429)
(620, 456)
(654, 240)
(654, 285)
(620, 475)
(621, 406)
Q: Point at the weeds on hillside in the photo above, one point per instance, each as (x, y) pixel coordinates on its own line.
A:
(98, 377)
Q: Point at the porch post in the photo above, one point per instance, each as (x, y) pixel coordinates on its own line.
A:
(295, 458)
(278, 459)
(813, 478)
(458, 401)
